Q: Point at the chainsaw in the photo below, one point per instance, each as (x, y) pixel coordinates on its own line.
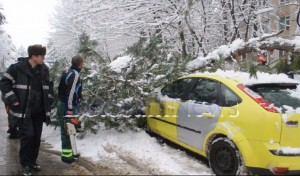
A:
(73, 126)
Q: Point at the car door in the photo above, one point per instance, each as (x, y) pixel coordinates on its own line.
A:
(169, 103)
(199, 114)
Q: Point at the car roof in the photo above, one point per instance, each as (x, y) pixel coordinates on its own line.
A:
(216, 77)
(244, 78)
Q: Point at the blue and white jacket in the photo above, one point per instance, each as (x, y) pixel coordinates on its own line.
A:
(70, 88)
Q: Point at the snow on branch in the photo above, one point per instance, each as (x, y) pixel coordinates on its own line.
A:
(239, 47)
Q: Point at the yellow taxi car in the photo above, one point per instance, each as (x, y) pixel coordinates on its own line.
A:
(239, 128)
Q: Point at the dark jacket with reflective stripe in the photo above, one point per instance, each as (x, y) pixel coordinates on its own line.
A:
(70, 88)
(15, 85)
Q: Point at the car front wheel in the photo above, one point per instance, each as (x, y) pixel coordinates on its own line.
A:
(224, 158)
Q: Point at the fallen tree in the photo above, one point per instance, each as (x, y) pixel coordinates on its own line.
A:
(240, 48)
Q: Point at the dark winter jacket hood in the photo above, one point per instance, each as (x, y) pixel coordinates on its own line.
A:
(22, 58)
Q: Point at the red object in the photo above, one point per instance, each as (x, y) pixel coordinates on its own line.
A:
(261, 58)
(74, 121)
(260, 100)
(280, 170)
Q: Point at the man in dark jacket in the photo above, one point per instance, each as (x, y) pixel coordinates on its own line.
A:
(69, 91)
(27, 88)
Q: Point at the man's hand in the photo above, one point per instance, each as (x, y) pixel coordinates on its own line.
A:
(16, 103)
(69, 112)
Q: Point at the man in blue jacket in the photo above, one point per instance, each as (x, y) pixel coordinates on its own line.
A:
(69, 91)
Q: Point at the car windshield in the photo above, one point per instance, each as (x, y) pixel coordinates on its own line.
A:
(280, 95)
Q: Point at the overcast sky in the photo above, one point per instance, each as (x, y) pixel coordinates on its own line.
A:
(28, 20)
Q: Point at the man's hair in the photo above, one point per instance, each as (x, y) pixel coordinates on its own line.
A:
(36, 50)
(77, 60)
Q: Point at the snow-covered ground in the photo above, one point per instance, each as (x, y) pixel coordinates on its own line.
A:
(118, 150)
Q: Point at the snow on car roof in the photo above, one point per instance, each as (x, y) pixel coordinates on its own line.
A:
(244, 77)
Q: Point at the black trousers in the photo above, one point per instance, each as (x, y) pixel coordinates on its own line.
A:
(30, 138)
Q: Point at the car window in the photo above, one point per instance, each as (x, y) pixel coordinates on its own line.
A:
(205, 90)
(278, 95)
(229, 98)
(178, 88)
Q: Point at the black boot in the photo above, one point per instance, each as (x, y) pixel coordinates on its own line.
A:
(35, 167)
(14, 134)
(68, 160)
(26, 170)
(76, 156)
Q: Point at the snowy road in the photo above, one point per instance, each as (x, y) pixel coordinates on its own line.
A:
(132, 153)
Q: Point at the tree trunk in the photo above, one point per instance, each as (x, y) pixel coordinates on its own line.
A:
(225, 27)
(232, 13)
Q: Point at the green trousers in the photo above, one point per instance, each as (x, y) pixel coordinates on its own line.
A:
(66, 152)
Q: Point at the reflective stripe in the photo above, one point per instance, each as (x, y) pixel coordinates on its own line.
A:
(15, 114)
(67, 150)
(71, 95)
(20, 86)
(9, 94)
(50, 96)
(9, 77)
(67, 155)
(46, 87)
(68, 76)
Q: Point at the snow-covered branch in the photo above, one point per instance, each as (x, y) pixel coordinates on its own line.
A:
(239, 47)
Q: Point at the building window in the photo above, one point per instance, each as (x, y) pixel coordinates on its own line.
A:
(262, 2)
(283, 1)
(284, 23)
(281, 53)
(266, 26)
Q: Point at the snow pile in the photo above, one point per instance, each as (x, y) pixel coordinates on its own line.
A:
(222, 52)
(138, 147)
(295, 93)
(92, 73)
(289, 150)
(120, 63)
(244, 77)
(265, 10)
(289, 112)
(297, 38)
